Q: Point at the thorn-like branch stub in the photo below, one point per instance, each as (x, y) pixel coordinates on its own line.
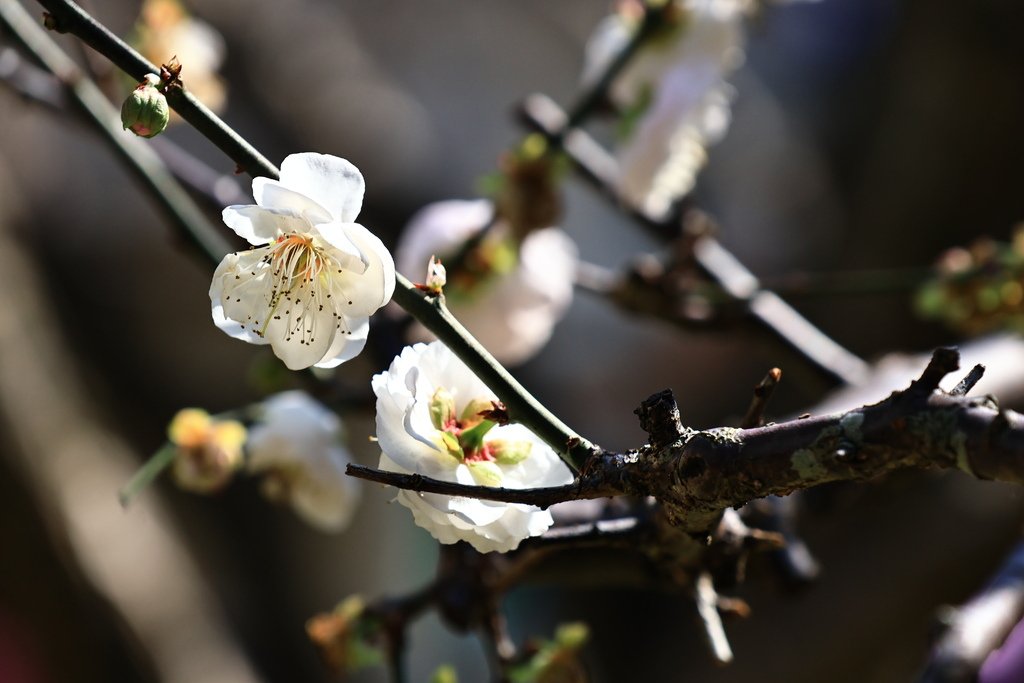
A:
(659, 417)
(944, 361)
(969, 380)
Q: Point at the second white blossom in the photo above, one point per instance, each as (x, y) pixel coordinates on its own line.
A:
(431, 420)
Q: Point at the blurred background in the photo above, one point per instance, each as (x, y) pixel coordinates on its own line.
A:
(865, 134)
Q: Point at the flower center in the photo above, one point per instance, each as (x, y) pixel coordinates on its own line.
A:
(300, 282)
(294, 257)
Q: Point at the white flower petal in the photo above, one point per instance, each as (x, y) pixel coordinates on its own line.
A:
(377, 283)
(684, 76)
(259, 226)
(272, 194)
(225, 297)
(334, 235)
(301, 338)
(346, 346)
(334, 183)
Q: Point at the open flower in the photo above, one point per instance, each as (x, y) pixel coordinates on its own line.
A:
(674, 91)
(512, 300)
(296, 446)
(314, 279)
(431, 420)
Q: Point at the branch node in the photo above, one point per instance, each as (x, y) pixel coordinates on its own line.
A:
(944, 361)
(659, 417)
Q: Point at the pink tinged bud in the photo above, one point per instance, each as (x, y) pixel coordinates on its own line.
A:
(437, 277)
(145, 112)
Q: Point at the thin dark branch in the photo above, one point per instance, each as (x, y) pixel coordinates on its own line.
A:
(190, 221)
(67, 17)
(42, 87)
(943, 362)
(762, 394)
(595, 165)
(522, 406)
(541, 497)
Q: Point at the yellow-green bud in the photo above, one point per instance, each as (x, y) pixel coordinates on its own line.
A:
(451, 446)
(572, 635)
(145, 112)
(442, 408)
(510, 452)
(471, 416)
(485, 473)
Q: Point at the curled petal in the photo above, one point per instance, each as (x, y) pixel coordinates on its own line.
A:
(259, 226)
(274, 195)
(345, 347)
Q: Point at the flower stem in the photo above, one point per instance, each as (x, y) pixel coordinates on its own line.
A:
(145, 475)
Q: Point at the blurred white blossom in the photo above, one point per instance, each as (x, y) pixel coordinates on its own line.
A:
(296, 446)
(166, 30)
(429, 423)
(675, 89)
(314, 279)
(513, 300)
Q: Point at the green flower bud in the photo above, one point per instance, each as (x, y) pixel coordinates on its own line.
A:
(510, 452)
(445, 674)
(451, 446)
(145, 112)
(485, 473)
(572, 635)
(442, 408)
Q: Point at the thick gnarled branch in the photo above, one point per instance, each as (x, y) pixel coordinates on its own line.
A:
(696, 475)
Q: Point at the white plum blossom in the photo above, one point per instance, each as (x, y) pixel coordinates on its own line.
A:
(296, 446)
(677, 83)
(513, 310)
(315, 276)
(429, 423)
